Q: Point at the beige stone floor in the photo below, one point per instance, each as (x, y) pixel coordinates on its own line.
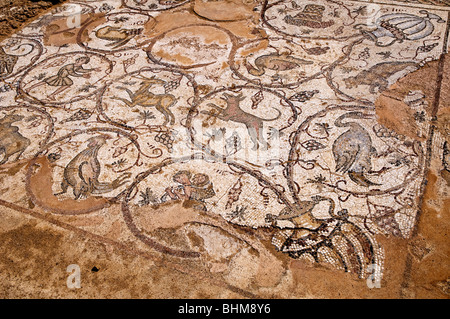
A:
(226, 149)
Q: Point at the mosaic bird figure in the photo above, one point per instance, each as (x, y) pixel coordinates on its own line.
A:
(83, 171)
(275, 62)
(117, 36)
(353, 149)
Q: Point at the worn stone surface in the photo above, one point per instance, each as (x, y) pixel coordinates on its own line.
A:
(16, 13)
(226, 149)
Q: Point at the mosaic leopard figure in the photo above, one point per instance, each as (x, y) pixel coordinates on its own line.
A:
(376, 76)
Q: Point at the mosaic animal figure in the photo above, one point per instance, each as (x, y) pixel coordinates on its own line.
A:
(233, 112)
(145, 98)
(300, 216)
(316, 50)
(275, 62)
(11, 141)
(83, 171)
(353, 149)
(117, 36)
(8, 61)
(376, 76)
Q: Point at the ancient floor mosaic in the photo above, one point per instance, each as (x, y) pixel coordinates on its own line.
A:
(262, 118)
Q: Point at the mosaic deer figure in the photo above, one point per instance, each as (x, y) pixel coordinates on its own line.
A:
(233, 112)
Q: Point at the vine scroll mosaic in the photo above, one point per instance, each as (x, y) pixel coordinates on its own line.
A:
(260, 119)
